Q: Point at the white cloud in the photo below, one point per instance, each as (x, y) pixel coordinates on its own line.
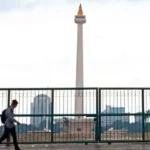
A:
(38, 47)
(26, 5)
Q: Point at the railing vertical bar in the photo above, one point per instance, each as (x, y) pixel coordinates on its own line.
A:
(52, 117)
(8, 104)
(99, 100)
(143, 117)
(8, 98)
(96, 123)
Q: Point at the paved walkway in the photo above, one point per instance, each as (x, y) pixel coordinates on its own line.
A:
(125, 146)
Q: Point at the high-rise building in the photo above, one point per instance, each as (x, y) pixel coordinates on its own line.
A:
(108, 120)
(138, 118)
(41, 105)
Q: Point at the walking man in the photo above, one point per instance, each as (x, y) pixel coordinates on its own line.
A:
(8, 119)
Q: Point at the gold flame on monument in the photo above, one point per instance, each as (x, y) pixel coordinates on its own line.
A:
(80, 12)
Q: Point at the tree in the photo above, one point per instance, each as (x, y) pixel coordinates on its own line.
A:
(146, 116)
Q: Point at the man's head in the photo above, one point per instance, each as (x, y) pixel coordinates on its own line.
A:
(14, 103)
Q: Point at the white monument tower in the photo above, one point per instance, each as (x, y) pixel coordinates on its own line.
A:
(80, 19)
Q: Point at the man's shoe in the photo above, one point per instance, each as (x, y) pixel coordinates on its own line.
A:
(18, 148)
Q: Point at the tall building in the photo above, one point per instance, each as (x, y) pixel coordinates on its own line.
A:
(114, 110)
(138, 118)
(108, 120)
(80, 19)
(41, 105)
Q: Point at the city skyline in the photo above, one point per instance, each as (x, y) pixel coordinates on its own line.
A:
(31, 61)
(64, 102)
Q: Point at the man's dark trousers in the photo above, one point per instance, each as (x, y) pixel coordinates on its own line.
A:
(7, 132)
(8, 141)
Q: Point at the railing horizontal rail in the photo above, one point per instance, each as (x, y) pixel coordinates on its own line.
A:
(74, 88)
(66, 88)
(122, 88)
(57, 115)
(84, 115)
(125, 114)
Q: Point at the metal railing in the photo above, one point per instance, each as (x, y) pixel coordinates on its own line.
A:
(47, 115)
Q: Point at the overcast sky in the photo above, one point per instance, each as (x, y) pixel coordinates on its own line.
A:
(38, 43)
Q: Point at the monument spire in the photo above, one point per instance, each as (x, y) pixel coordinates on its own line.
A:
(80, 19)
